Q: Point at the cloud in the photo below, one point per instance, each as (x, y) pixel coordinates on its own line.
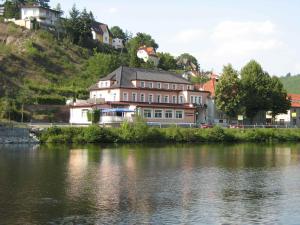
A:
(242, 38)
(113, 10)
(189, 36)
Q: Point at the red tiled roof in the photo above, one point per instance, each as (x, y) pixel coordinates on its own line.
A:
(210, 86)
(295, 100)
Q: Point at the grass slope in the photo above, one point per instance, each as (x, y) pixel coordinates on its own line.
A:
(291, 84)
(49, 68)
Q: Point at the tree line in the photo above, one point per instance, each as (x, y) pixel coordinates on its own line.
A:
(250, 91)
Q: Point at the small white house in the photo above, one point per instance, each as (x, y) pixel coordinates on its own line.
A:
(44, 16)
(117, 43)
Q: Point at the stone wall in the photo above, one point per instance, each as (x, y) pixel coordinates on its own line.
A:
(16, 135)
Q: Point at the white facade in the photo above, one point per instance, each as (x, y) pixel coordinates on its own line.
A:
(79, 115)
(117, 43)
(106, 37)
(42, 15)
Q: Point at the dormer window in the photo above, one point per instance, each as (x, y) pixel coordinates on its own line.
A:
(142, 84)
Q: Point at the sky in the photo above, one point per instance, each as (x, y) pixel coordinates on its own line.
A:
(216, 32)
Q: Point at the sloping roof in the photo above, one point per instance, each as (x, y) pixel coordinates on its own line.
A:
(149, 50)
(39, 7)
(210, 86)
(100, 28)
(295, 100)
(124, 75)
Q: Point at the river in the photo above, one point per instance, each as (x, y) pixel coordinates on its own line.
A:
(150, 184)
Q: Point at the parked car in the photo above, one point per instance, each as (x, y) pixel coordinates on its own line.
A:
(236, 126)
(206, 126)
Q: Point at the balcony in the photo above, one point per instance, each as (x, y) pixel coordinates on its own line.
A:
(114, 119)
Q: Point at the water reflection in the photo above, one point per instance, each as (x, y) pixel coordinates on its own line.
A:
(178, 184)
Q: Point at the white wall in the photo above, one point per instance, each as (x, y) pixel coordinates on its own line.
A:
(39, 14)
(109, 95)
(106, 37)
(78, 117)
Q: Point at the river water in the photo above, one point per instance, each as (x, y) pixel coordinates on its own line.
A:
(140, 184)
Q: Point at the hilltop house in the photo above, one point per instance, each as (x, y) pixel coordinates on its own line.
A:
(148, 54)
(1, 10)
(44, 17)
(117, 43)
(158, 96)
(101, 33)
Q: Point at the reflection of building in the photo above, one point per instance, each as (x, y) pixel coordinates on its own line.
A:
(156, 95)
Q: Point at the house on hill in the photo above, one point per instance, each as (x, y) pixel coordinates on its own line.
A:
(101, 33)
(1, 10)
(148, 54)
(35, 14)
(158, 96)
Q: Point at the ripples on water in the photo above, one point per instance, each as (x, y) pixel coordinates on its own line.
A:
(182, 184)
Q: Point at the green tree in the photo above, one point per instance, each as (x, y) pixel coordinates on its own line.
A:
(12, 9)
(166, 61)
(255, 83)
(117, 32)
(139, 40)
(187, 62)
(85, 27)
(280, 102)
(229, 92)
(101, 64)
(79, 26)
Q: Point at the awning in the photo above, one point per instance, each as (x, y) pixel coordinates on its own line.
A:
(117, 110)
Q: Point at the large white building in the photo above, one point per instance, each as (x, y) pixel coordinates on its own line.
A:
(158, 96)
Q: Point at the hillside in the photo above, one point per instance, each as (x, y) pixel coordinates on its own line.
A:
(291, 84)
(36, 68)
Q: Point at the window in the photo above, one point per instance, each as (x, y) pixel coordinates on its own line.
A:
(168, 114)
(106, 84)
(142, 84)
(166, 99)
(125, 96)
(192, 99)
(150, 98)
(158, 98)
(147, 113)
(174, 100)
(168, 86)
(200, 100)
(114, 96)
(150, 85)
(159, 85)
(84, 113)
(142, 97)
(181, 99)
(174, 86)
(158, 113)
(179, 114)
(134, 97)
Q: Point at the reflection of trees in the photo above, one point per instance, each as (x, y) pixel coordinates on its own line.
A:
(139, 183)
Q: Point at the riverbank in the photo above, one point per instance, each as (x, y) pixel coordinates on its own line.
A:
(139, 133)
